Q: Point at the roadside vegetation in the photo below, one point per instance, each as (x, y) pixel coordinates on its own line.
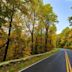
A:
(64, 39)
(28, 27)
(17, 65)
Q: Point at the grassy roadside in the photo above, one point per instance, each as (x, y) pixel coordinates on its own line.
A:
(16, 66)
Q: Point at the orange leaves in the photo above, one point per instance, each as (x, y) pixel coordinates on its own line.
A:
(2, 41)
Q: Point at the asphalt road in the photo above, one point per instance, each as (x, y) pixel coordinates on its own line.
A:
(70, 56)
(55, 63)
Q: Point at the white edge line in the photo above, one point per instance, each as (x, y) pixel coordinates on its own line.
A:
(35, 63)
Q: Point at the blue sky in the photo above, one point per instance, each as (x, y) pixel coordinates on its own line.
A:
(63, 11)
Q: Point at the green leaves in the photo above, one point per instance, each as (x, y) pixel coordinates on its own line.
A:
(70, 20)
(65, 38)
(2, 21)
(24, 10)
(26, 19)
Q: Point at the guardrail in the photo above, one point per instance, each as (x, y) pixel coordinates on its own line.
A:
(17, 60)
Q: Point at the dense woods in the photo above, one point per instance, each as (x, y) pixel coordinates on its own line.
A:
(28, 27)
(64, 40)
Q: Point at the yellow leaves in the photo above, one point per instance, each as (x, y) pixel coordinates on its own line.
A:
(13, 2)
(31, 1)
(66, 38)
(45, 12)
(34, 2)
(1, 42)
(24, 10)
(17, 21)
(33, 13)
(47, 9)
(27, 51)
(11, 49)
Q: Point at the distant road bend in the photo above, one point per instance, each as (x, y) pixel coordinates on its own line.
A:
(59, 62)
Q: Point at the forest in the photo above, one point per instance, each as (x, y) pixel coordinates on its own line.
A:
(28, 27)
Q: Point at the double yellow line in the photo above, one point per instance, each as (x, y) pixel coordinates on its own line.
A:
(68, 65)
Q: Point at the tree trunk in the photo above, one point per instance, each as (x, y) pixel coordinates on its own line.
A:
(32, 46)
(46, 38)
(36, 46)
(32, 35)
(7, 44)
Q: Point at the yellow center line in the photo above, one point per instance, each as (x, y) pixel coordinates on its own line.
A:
(68, 65)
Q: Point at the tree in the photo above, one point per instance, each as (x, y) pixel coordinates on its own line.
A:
(64, 39)
(26, 25)
(70, 20)
(31, 23)
(52, 37)
(48, 17)
(10, 9)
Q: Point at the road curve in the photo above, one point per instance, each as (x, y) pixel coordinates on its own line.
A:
(56, 63)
